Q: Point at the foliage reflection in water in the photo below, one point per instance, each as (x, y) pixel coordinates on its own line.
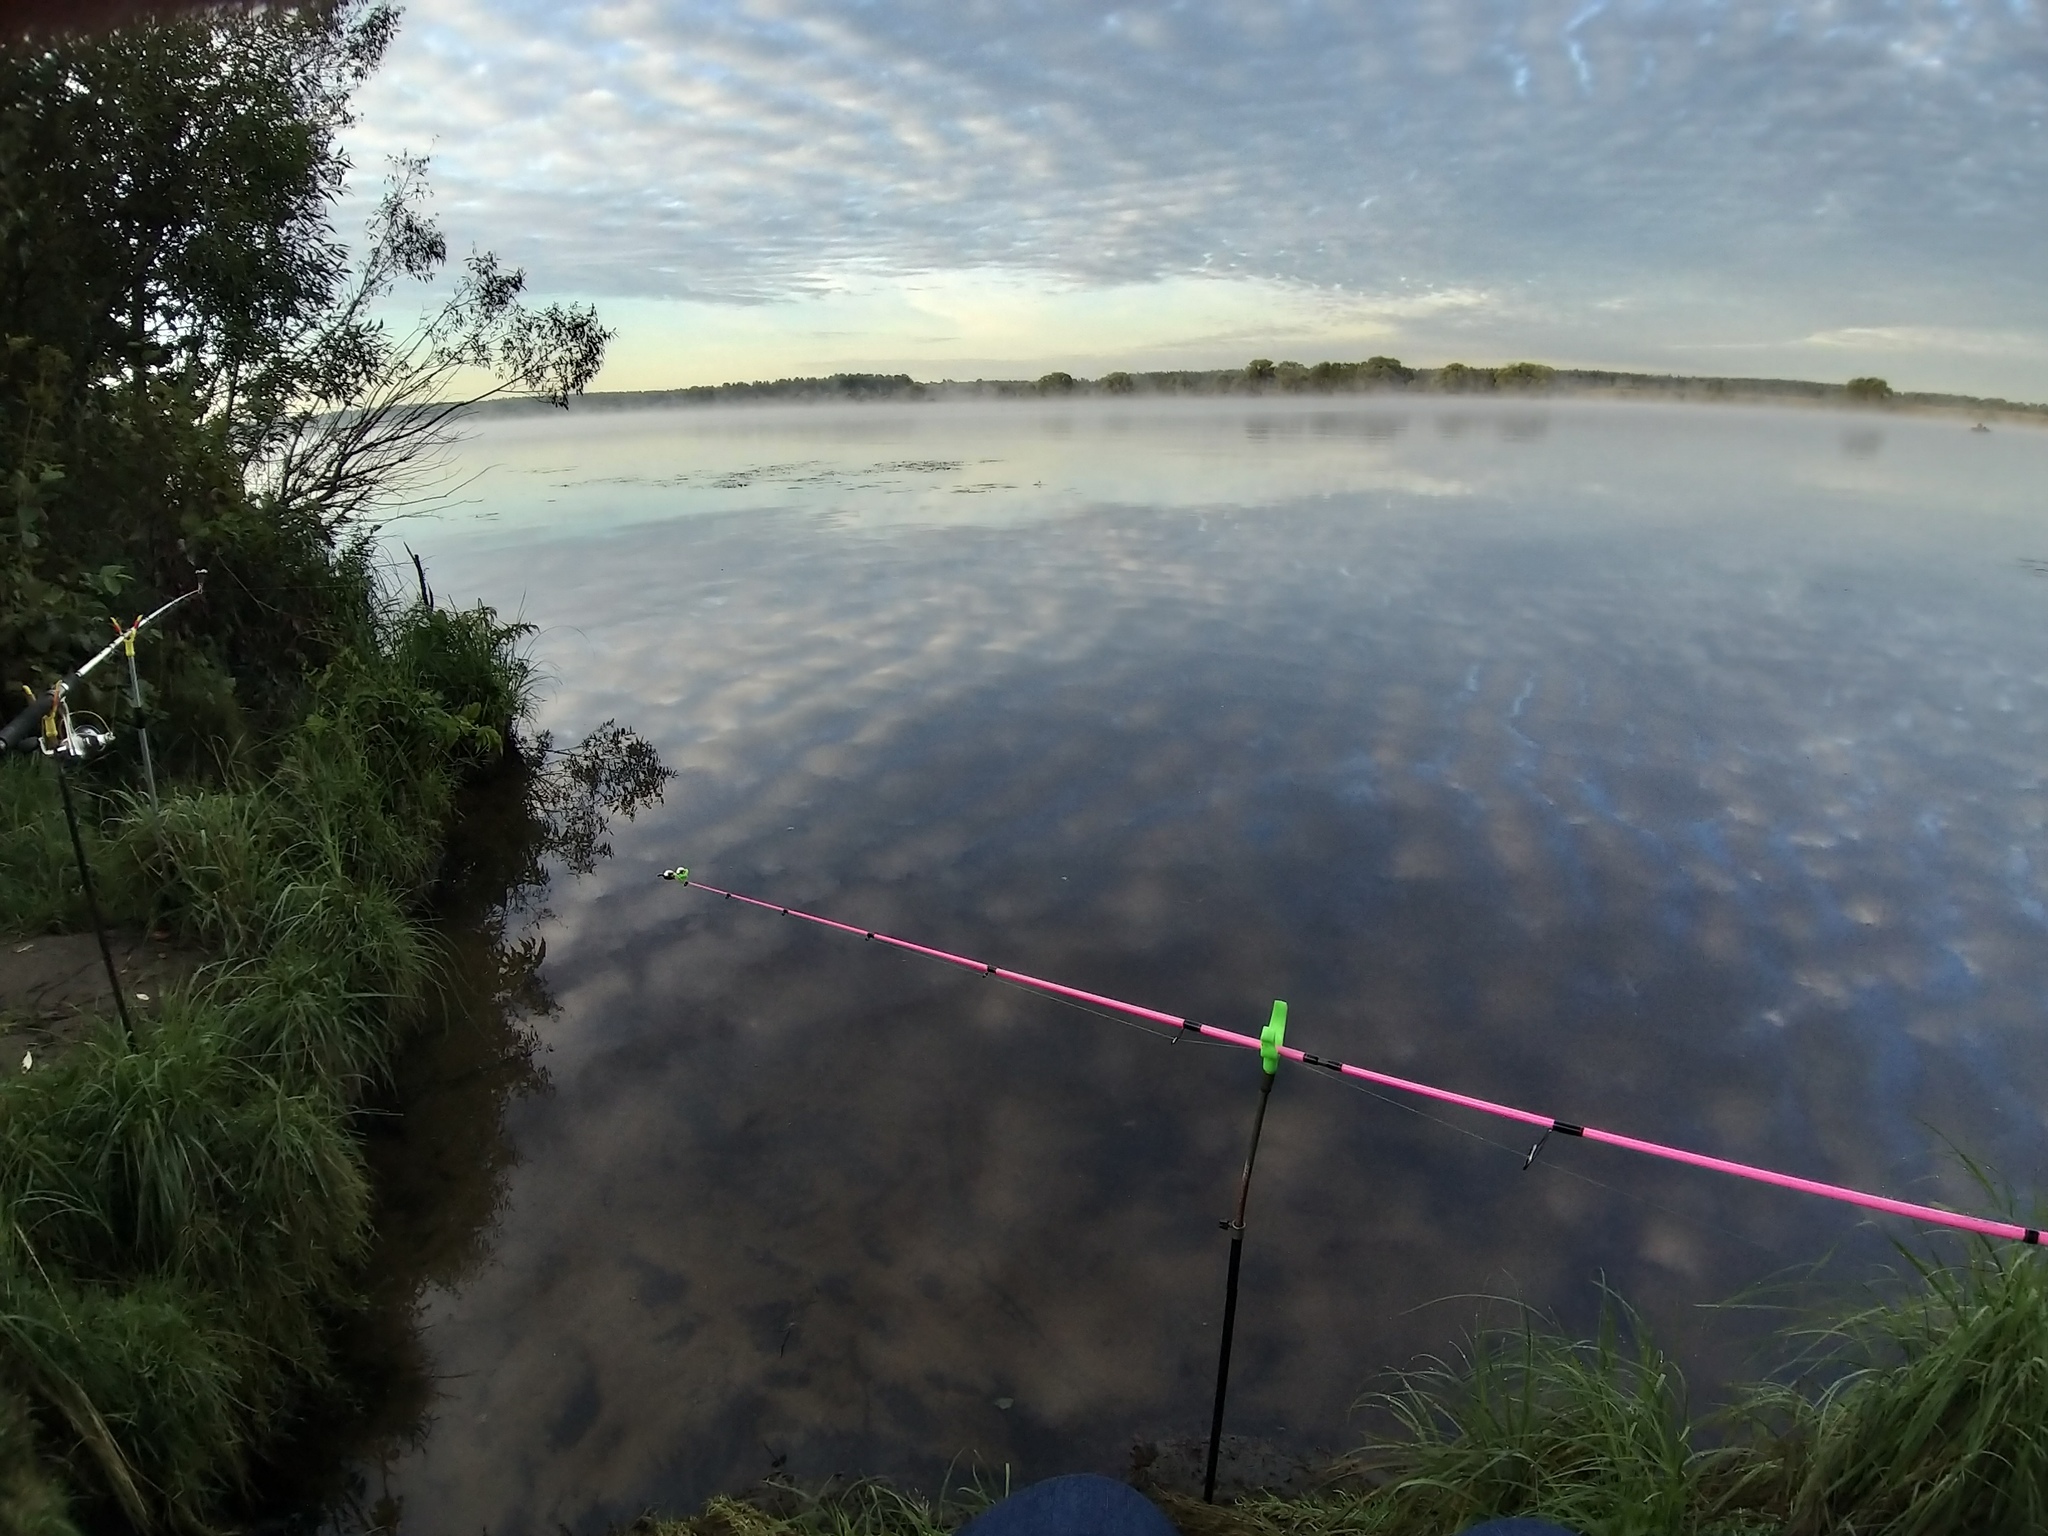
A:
(436, 1139)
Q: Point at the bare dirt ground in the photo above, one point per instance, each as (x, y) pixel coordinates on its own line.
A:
(52, 986)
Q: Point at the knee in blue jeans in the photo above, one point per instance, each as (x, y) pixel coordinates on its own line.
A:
(1080, 1504)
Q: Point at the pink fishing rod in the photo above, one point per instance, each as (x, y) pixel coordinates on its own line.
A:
(1545, 1123)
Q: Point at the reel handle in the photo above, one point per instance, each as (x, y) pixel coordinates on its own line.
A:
(25, 726)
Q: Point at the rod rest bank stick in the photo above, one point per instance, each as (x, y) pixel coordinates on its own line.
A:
(1270, 1039)
(17, 731)
(1546, 1124)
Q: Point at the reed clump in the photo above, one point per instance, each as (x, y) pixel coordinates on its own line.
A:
(1923, 1410)
(182, 1215)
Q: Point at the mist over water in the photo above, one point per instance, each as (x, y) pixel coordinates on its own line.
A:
(1674, 770)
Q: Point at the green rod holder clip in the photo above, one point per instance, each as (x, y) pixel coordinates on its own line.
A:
(1272, 1036)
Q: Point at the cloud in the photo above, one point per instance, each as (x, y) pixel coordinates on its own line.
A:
(737, 149)
(965, 323)
(1921, 338)
(1833, 167)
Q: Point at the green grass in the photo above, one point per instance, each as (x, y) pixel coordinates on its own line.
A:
(1924, 1410)
(182, 1215)
(1931, 1412)
(30, 1503)
(868, 1507)
(1595, 1433)
(39, 886)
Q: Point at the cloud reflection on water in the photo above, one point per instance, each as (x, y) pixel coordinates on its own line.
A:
(1649, 780)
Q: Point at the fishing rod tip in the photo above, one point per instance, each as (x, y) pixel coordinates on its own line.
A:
(678, 873)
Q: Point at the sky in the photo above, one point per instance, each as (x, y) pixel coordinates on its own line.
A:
(998, 188)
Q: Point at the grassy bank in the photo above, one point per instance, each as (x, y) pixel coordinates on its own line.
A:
(200, 375)
(183, 1216)
(1922, 1410)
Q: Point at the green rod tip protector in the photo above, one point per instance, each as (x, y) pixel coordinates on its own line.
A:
(1271, 1036)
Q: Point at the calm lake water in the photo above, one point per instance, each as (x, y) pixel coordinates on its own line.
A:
(1678, 770)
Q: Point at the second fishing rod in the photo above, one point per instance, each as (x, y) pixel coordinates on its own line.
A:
(49, 725)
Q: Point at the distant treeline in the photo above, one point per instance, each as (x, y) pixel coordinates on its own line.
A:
(1262, 376)
(838, 386)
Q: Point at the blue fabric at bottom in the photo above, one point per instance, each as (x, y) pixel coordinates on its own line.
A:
(1517, 1526)
(1080, 1504)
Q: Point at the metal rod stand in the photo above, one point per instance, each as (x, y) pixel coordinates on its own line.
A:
(92, 904)
(141, 727)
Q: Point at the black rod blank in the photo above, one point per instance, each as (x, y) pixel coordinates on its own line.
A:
(1236, 1228)
(92, 904)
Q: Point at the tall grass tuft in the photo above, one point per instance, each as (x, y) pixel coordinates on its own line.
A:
(1934, 1412)
(1594, 1433)
(469, 659)
(1922, 1412)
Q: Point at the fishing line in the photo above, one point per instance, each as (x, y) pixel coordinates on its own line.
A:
(1553, 1166)
(1167, 1037)
(1096, 1013)
(1545, 1125)
(1175, 1037)
(1422, 1114)
(1560, 1169)
(1450, 1125)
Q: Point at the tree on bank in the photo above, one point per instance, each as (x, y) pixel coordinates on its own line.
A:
(195, 373)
